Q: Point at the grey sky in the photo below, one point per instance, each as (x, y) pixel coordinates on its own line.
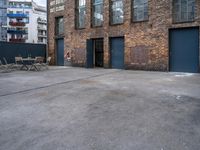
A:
(41, 2)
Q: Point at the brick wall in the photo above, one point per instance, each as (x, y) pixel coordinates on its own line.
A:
(146, 43)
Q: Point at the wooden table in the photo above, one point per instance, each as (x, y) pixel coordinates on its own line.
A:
(26, 62)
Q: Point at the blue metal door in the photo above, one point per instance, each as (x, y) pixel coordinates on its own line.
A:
(184, 50)
(90, 54)
(117, 53)
(60, 52)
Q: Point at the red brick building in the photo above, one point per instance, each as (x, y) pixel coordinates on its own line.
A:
(126, 34)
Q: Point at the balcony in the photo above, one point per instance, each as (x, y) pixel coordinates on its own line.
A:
(18, 15)
(42, 35)
(42, 28)
(14, 31)
(19, 40)
(40, 42)
(39, 20)
(17, 23)
(22, 7)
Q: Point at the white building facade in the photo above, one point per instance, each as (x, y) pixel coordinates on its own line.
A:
(3, 20)
(26, 22)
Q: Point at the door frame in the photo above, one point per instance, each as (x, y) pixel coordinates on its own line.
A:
(169, 46)
(110, 49)
(93, 49)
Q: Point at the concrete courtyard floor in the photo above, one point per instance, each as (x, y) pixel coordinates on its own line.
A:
(99, 109)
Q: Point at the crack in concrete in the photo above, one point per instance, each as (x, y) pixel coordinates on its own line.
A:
(59, 83)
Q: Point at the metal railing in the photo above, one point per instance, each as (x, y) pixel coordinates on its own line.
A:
(21, 15)
(13, 31)
(19, 40)
(17, 23)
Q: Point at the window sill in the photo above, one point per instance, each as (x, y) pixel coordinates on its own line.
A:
(182, 22)
(140, 21)
(59, 36)
(116, 24)
(96, 26)
(80, 28)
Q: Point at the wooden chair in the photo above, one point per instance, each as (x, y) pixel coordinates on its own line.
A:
(37, 65)
(7, 65)
(18, 62)
(46, 65)
(2, 66)
(39, 59)
(48, 62)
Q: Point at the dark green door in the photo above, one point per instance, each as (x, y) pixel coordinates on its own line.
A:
(90, 54)
(60, 52)
(117, 53)
(184, 50)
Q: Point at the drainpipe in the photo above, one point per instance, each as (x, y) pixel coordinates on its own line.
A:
(47, 44)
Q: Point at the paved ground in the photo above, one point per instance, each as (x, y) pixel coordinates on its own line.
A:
(99, 109)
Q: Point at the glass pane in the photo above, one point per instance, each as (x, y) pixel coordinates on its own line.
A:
(97, 2)
(81, 18)
(98, 14)
(59, 26)
(183, 10)
(80, 13)
(117, 12)
(81, 3)
(140, 10)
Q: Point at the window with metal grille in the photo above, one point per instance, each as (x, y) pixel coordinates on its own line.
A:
(80, 13)
(117, 12)
(59, 26)
(97, 13)
(140, 10)
(183, 10)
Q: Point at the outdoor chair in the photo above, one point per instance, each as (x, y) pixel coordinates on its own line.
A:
(6, 63)
(9, 66)
(18, 62)
(39, 59)
(1, 64)
(46, 65)
(37, 65)
(4, 67)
